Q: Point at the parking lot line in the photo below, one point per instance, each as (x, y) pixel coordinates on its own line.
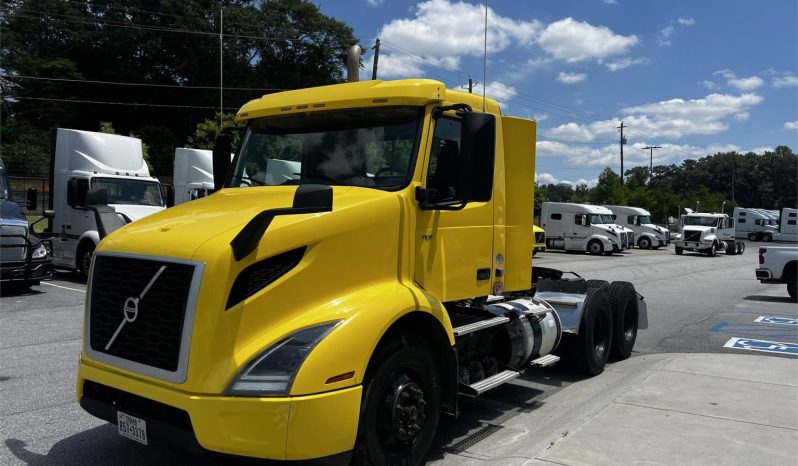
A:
(64, 287)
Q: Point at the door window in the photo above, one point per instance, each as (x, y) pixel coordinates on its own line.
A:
(442, 169)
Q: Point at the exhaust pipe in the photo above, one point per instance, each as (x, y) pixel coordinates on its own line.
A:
(353, 63)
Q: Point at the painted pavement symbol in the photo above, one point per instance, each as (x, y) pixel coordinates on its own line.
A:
(780, 332)
(762, 345)
(777, 320)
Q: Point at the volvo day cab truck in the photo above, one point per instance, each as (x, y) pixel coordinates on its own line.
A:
(755, 224)
(788, 226)
(540, 239)
(708, 233)
(25, 259)
(337, 314)
(638, 220)
(583, 227)
(98, 183)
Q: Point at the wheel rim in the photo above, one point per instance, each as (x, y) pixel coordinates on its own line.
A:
(595, 248)
(644, 244)
(402, 413)
(629, 322)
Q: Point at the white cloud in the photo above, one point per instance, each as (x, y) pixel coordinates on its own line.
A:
(539, 117)
(742, 116)
(545, 178)
(746, 84)
(571, 78)
(611, 2)
(625, 63)
(672, 119)
(785, 81)
(685, 21)
(444, 28)
(791, 125)
(393, 66)
(497, 90)
(375, 2)
(711, 85)
(573, 41)
(760, 150)
(663, 38)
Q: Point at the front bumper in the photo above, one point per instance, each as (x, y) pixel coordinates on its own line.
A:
(285, 428)
(692, 244)
(25, 272)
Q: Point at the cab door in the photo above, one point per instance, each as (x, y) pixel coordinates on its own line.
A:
(455, 247)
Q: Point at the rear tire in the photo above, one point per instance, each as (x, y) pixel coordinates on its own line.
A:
(595, 247)
(767, 237)
(751, 236)
(791, 287)
(731, 248)
(401, 405)
(644, 243)
(678, 250)
(589, 350)
(597, 283)
(625, 313)
(740, 247)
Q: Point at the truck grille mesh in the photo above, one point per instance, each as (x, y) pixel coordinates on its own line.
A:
(14, 245)
(540, 237)
(690, 235)
(152, 330)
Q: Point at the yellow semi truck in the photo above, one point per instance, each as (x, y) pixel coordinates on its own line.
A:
(364, 263)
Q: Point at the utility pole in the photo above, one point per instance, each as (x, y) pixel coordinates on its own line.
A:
(651, 162)
(470, 85)
(221, 65)
(734, 174)
(376, 49)
(623, 141)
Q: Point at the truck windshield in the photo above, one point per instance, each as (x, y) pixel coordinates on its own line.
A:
(370, 147)
(701, 221)
(644, 219)
(127, 191)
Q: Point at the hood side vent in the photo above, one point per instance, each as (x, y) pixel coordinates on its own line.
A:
(261, 274)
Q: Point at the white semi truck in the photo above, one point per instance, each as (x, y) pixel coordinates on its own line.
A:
(583, 227)
(647, 234)
(98, 183)
(788, 226)
(755, 224)
(708, 233)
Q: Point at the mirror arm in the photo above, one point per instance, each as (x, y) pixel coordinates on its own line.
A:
(422, 197)
(438, 111)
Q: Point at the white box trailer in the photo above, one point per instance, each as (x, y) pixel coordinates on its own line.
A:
(754, 224)
(583, 227)
(646, 234)
(788, 226)
(193, 174)
(98, 182)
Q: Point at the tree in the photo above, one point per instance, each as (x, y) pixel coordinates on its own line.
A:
(608, 190)
(206, 131)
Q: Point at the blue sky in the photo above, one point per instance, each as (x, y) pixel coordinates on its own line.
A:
(694, 77)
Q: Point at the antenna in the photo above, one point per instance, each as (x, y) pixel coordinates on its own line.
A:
(485, 59)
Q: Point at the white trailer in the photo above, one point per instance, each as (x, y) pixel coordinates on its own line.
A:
(193, 174)
(98, 182)
(755, 224)
(583, 227)
(788, 226)
(646, 234)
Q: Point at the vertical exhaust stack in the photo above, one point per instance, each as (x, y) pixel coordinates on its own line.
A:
(353, 63)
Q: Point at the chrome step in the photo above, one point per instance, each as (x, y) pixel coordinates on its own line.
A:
(480, 325)
(484, 385)
(545, 361)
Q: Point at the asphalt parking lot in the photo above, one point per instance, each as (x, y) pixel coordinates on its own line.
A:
(695, 303)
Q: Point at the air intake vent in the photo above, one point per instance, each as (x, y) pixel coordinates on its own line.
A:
(259, 275)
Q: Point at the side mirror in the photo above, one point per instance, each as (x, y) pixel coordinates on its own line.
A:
(169, 195)
(477, 155)
(49, 214)
(97, 196)
(72, 193)
(221, 159)
(585, 220)
(33, 199)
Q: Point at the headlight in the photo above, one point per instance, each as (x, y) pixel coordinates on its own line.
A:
(41, 252)
(272, 372)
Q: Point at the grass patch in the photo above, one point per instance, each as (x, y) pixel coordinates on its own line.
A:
(39, 227)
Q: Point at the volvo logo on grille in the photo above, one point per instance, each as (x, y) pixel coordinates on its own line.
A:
(130, 310)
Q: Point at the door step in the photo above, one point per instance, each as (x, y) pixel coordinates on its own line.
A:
(480, 325)
(545, 361)
(484, 385)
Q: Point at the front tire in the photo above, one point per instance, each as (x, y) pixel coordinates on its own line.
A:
(712, 250)
(767, 237)
(85, 254)
(678, 250)
(644, 243)
(401, 405)
(595, 247)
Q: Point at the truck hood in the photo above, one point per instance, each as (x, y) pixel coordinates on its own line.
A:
(651, 228)
(10, 212)
(180, 231)
(135, 212)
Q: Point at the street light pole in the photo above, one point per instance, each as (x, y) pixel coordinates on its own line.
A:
(651, 162)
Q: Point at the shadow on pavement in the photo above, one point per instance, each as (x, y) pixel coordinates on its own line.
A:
(769, 299)
(67, 276)
(15, 289)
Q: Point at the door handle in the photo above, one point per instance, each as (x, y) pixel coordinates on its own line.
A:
(483, 274)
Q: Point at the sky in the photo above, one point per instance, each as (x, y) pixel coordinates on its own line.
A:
(694, 77)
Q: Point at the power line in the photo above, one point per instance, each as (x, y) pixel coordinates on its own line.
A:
(120, 83)
(132, 104)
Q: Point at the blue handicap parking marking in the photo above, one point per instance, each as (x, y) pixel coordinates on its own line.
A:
(779, 332)
(762, 345)
(777, 320)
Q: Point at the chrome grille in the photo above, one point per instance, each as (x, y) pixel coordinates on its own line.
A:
(14, 246)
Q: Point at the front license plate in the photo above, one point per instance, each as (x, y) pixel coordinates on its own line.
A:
(132, 427)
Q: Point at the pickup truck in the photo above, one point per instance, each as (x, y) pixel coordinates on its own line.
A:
(777, 264)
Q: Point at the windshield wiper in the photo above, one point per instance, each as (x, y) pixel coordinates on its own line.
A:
(246, 178)
(322, 176)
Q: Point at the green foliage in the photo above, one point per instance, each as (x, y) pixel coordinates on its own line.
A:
(25, 149)
(207, 130)
(107, 127)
